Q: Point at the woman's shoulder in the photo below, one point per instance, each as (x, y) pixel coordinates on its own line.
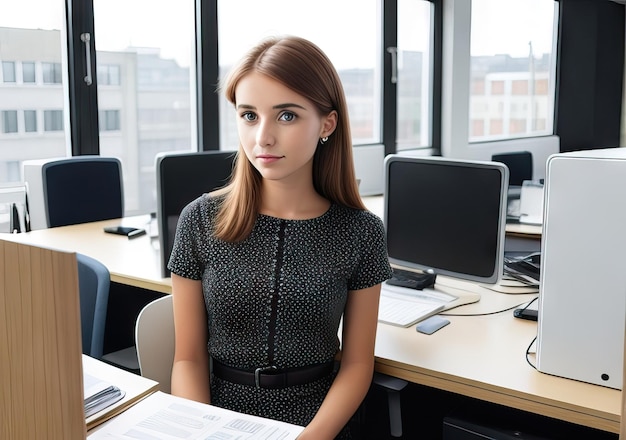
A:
(363, 217)
(204, 206)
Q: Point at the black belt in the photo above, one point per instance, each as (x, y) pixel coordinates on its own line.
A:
(272, 377)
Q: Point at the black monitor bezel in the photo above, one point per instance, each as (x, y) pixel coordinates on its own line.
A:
(498, 266)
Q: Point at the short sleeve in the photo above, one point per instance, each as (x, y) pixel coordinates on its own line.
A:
(185, 259)
(373, 267)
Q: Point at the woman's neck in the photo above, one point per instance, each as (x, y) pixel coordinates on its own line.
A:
(299, 202)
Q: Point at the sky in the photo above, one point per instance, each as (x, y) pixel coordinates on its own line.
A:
(168, 25)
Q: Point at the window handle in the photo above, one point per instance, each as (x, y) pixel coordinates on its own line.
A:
(393, 51)
(86, 38)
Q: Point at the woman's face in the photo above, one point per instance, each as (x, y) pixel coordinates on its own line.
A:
(278, 129)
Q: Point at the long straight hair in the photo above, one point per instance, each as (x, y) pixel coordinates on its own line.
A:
(301, 66)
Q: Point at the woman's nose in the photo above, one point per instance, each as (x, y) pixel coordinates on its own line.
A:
(265, 134)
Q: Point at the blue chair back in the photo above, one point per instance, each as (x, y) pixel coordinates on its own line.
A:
(94, 281)
(82, 189)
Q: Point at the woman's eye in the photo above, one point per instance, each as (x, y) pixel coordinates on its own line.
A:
(248, 116)
(287, 117)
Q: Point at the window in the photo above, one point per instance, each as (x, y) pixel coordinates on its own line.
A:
(31, 33)
(414, 67)
(109, 120)
(145, 63)
(53, 120)
(8, 71)
(52, 73)
(30, 121)
(512, 63)
(28, 72)
(108, 74)
(9, 121)
(356, 54)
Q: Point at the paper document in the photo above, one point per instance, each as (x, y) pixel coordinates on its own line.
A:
(99, 394)
(162, 416)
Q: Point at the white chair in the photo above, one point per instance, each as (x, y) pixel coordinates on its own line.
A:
(154, 339)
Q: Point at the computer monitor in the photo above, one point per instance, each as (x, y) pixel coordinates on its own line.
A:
(181, 178)
(446, 216)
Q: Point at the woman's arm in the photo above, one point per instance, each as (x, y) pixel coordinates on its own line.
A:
(190, 373)
(357, 366)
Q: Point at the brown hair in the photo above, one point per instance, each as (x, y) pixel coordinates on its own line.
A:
(302, 67)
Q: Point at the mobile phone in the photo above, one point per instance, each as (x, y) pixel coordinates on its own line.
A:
(128, 231)
(432, 324)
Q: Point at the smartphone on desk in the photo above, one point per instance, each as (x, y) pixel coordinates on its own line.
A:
(128, 231)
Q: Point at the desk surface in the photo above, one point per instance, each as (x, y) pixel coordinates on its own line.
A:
(484, 357)
(135, 262)
(481, 354)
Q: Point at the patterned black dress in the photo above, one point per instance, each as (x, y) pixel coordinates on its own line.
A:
(277, 297)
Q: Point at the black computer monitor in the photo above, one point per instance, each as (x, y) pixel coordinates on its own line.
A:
(446, 216)
(181, 178)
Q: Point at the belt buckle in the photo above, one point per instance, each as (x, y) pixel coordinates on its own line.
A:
(257, 374)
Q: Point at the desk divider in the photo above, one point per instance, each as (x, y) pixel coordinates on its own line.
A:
(40, 344)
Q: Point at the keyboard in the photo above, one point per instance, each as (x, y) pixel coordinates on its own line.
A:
(404, 307)
(405, 312)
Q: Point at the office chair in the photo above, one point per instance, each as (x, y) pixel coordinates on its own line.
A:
(94, 281)
(393, 386)
(181, 178)
(82, 189)
(520, 164)
(154, 339)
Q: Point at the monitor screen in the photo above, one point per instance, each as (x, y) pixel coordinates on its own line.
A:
(446, 215)
(182, 178)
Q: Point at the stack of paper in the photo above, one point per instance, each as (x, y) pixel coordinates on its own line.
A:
(99, 394)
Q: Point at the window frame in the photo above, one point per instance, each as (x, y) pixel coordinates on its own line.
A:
(449, 124)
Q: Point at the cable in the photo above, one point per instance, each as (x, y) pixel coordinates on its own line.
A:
(528, 353)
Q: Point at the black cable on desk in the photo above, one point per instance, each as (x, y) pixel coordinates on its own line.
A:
(528, 353)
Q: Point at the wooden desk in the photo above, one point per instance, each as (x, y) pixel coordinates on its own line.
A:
(134, 262)
(477, 356)
(484, 357)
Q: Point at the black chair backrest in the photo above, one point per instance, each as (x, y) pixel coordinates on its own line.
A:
(82, 189)
(520, 164)
(181, 178)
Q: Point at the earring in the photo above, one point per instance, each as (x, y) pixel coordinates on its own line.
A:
(323, 140)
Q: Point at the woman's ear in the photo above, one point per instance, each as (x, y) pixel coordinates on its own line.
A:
(329, 123)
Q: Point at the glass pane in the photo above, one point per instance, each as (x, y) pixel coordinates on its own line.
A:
(30, 121)
(28, 41)
(145, 88)
(414, 74)
(28, 72)
(9, 121)
(355, 53)
(8, 71)
(512, 69)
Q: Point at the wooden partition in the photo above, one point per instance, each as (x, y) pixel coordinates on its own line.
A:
(41, 378)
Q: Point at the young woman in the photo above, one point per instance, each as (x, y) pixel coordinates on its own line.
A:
(264, 270)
